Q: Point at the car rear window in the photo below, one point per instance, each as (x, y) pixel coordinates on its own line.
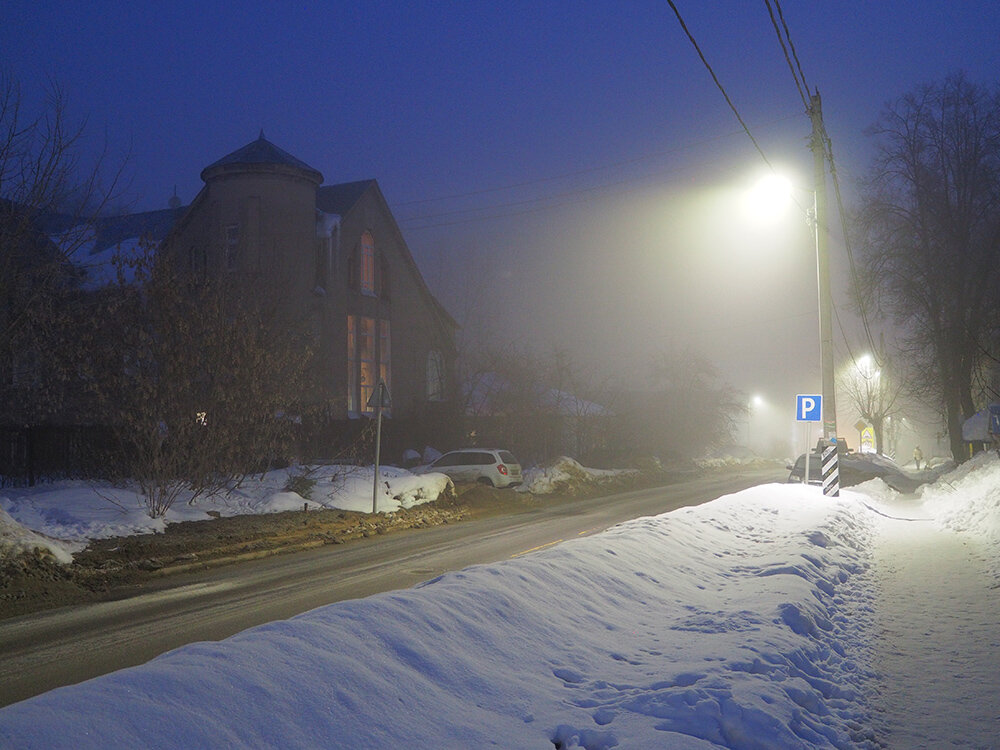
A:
(507, 457)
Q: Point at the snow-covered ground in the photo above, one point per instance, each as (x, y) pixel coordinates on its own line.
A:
(772, 618)
(69, 513)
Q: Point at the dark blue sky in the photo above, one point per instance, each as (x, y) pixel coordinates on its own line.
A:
(557, 167)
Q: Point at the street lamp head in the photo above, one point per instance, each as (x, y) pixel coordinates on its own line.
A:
(769, 199)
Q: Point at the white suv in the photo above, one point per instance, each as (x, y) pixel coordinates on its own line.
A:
(494, 467)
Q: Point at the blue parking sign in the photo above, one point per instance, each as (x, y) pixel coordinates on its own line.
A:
(808, 408)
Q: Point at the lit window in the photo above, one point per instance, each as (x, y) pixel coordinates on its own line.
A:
(369, 359)
(366, 357)
(367, 263)
(384, 353)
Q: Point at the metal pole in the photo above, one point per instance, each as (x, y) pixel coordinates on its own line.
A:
(378, 445)
(805, 476)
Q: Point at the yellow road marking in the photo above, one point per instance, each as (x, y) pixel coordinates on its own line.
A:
(535, 549)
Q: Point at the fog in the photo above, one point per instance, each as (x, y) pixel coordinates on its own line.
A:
(558, 187)
(667, 261)
(618, 279)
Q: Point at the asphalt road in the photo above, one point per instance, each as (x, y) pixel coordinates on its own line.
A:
(64, 646)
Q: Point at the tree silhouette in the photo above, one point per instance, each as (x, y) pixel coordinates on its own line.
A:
(930, 237)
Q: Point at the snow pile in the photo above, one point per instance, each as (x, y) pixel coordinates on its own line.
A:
(565, 475)
(17, 540)
(76, 512)
(741, 623)
(729, 462)
(968, 500)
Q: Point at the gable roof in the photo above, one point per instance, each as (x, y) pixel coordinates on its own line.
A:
(339, 199)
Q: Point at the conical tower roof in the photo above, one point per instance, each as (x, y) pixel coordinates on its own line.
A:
(257, 155)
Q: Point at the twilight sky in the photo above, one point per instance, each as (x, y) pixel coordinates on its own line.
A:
(565, 173)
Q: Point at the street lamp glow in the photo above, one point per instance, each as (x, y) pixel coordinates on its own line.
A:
(769, 199)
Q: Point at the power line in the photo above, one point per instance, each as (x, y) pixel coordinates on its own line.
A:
(797, 74)
(848, 246)
(785, 40)
(719, 84)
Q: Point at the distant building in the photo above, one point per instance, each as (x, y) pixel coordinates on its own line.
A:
(341, 258)
(339, 264)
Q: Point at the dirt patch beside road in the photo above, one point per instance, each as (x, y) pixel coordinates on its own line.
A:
(119, 567)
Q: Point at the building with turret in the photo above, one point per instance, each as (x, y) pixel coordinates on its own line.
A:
(336, 257)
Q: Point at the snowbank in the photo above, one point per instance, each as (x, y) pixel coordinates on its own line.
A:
(17, 540)
(967, 500)
(75, 512)
(566, 475)
(740, 623)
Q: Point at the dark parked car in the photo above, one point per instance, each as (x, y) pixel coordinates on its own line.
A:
(854, 468)
(799, 469)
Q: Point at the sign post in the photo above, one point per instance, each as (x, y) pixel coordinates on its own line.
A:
(379, 399)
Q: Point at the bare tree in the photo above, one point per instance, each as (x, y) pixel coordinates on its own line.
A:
(874, 392)
(689, 409)
(930, 236)
(201, 383)
(48, 203)
(537, 405)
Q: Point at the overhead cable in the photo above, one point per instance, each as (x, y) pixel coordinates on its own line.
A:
(785, 40)
(719, 84)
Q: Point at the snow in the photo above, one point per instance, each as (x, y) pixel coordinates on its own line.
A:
(16, 540)
(61, 517)
(771, 618)
(563, 473)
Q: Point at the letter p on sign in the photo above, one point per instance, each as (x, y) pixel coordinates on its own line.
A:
(809, 408)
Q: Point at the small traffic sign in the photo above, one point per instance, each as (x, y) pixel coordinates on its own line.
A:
(808, 408)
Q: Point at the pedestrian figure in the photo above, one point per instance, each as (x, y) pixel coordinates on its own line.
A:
(918, 456)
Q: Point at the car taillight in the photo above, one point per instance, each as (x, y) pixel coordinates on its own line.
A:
(502, 469)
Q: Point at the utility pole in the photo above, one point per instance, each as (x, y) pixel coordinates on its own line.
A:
(830, 467)
(817, 144)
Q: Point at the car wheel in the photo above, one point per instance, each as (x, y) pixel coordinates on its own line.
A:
(487, 481)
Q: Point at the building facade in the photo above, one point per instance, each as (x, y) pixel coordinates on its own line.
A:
(336, 259)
